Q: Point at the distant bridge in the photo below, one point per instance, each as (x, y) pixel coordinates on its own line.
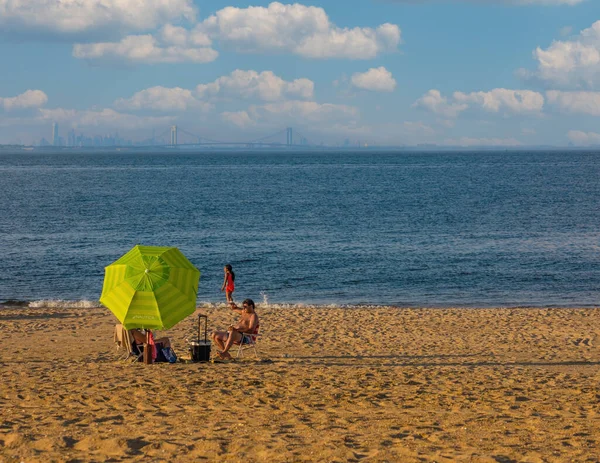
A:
(171, 138)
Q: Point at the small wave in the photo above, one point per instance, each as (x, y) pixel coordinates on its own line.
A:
(54, 303)
(265, 304)
(265, 297)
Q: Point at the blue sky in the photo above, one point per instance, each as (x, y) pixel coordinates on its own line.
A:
(466, 73)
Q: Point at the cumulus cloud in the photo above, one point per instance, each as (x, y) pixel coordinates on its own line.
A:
(571, 63)
(578, 137)
(434, 102)
(299, 29)
(176, 35)
(498, 99)
(240, 84)
(307, 110)
(162, 99)
(239, 118)
(75, 17)
(26, 100)
(143, 49)
(265, 86)
(517, 101)
(287, 112)
(576, 102)
(375, 79)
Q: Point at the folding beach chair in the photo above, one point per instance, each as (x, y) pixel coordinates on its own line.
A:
(248, 341)
(124, 342)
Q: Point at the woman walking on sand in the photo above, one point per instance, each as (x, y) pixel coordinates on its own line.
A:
(228, 283)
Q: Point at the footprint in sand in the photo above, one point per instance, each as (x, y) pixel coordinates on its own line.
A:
(583, 341)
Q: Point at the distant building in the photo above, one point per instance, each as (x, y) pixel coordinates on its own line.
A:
(71, 138)
(55, 140)
(173, 135)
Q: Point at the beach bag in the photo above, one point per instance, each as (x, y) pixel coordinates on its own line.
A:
(166, 354)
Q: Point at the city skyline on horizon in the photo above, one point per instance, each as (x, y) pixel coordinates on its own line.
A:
(169, 138)
(502, 73)
(108, 140)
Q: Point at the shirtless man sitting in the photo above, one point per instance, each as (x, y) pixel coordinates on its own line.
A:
(246, 324)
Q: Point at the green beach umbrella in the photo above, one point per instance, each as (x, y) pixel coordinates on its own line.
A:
(151, 287)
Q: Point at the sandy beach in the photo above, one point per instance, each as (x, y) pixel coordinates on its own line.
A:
(334, 385)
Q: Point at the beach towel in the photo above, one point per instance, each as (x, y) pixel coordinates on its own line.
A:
(122, 338)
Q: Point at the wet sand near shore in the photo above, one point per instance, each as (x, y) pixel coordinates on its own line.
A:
(332, 385)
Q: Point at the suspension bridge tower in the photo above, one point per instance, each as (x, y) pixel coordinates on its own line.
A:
(289, 140)
(173, 135)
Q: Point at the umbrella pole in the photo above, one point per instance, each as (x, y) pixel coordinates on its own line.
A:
(147, 349)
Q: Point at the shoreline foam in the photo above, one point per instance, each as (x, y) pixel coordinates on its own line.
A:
(210, 305)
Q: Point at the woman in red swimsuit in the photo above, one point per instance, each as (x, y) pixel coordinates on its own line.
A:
(228, 283)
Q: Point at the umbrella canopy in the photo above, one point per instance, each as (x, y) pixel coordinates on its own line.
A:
(151, 287)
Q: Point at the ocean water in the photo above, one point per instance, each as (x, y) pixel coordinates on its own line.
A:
(315, 228)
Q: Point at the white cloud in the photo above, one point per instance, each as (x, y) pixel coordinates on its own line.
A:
(571, 63)
(294, 111)
(265, 86)
(176, 35)
(307, 110)
(77, 16)
(162, 99)
(355, 43)
(376, 79)
(576, 102)
(434, 101)
(467, 141)
(517, 101)
(239, 118)
(143, 49)
(104, 119)
(26, 100)
(299, 29)
(578, 137)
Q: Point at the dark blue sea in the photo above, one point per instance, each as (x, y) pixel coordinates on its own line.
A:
(472, 229)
